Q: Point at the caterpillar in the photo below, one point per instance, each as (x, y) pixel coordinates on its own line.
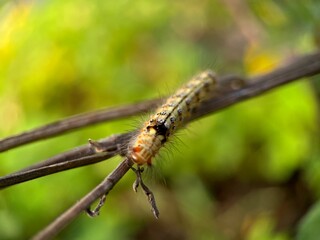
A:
(169, 117)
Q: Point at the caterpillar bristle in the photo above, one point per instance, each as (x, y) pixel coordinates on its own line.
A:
(169, 117)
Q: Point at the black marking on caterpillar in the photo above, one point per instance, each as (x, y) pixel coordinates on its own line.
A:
(170, 116)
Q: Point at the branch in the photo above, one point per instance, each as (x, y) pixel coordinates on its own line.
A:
(305, 66)
(23, 176)
(103, 188)
(114, 144)
(77, 157)
(75, 122)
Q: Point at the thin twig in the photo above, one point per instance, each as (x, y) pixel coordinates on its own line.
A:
(78, 157)
(112, 143)
(23, 176)
(103, 188)
(75, 122)
(305, 66)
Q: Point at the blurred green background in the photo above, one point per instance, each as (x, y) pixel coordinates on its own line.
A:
(254, 171)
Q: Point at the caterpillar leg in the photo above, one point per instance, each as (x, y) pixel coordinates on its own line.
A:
(139, 182)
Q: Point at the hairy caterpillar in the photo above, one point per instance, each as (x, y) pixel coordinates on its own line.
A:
(169, 117)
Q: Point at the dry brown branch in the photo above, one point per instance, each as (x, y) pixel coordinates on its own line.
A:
(77, 157)
(75, 122)
(23, 176)
(110, 144)
(305, 66)
(103, 188)
(308, 65)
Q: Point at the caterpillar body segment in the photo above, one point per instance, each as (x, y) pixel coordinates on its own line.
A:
(170, 116)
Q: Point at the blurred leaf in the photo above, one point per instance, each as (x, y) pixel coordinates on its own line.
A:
(309, 226)
(65, 57)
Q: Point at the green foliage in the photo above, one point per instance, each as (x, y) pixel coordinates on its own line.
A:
(309, 226)
(60, 58)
